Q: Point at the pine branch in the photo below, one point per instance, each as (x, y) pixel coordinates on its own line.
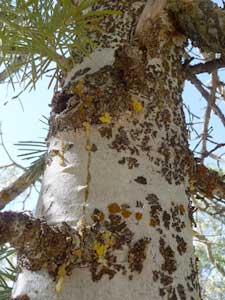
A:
(13, 67)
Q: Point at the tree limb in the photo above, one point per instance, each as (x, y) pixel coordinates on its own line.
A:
(37, 243)
(197, 83)
(16, 188)
(207, 182)
(211, 103)
(202, 238)
(207, 67)
(202, 21)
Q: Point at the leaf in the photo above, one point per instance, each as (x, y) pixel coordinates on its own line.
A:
(7, 272)
(42, 32)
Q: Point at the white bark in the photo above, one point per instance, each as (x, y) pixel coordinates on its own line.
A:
(63, 199)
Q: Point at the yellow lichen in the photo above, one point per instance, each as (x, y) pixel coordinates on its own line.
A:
(109, 239)
(79, 88)
(78, 252)
(61, 277)
(107, 242)
(87, 127)
(105, 118)
(136, 105)
(100, 248)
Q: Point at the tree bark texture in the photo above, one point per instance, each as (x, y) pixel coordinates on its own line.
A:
(118, 164)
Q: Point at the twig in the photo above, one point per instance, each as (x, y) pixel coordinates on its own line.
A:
(211, 102)
(207, 67)
(7, 153)
(197, 83)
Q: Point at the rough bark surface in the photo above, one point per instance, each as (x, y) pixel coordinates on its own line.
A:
(119, 162)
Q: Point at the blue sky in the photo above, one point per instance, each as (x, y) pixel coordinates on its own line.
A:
(23, 123)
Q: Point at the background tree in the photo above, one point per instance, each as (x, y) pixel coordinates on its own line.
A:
(119, 117)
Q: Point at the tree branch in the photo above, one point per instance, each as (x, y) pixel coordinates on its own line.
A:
(207, 182)
(202, 238)
(14, 67)
(53, 247)
(16, 188)
(211, 103)
(202, 21)
(197, 83)
(207, 67)
(37, 243)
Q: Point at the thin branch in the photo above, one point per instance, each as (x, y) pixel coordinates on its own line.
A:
(202, 238)
(216, 157)
(6, 166)
(8, 154)
(218, 146)
(206, 95)
(13, 68)
(207, 67)
(211, 103)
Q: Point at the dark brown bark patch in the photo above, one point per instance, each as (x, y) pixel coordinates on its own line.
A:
(141, 180)
(168, 254)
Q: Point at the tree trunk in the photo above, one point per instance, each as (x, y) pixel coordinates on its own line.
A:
(118, 167)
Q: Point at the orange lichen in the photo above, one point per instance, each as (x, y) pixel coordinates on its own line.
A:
(126, 213)
(153, 222)
(114, 208)
(138, 216)
(201, 170)
(181, 209)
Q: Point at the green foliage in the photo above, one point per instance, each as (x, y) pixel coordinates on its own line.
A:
(7, 271)
(36, 33)
(35, 152)
(32, 150)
